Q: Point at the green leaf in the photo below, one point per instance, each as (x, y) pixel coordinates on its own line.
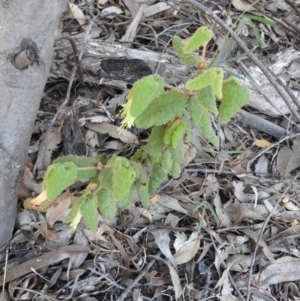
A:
(157, 177)
(162, 110)
(190, 59)
(86, 166)
(218, 83)
(141, 183)
(127, 199)
(175, 171)
(262, 20)
(178, 152)
(201, 118)
(107, 204)
(186, 118)
(174, 132)
(202, 79)
(156, 141)
(140, 96)
(167, 161)
(207, 99)
(123, 177)
(256, 34)
(143, 192)
(89, 211)
(200, 38)
(58, 177)
(234, 97)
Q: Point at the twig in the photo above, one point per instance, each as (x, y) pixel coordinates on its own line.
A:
(261, 124)
(261, 233)
(75, 52)
(274, 81)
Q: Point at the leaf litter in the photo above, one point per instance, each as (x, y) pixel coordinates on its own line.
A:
(247, 247)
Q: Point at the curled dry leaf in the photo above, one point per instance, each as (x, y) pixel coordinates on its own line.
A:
(113, 131)
(58, 207)
(77, 14)
(187, 252)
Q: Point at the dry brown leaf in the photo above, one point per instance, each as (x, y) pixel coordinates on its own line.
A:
(221, 213)
(113, 131)
(238, 212)
(284, 269)
(58, 207)
(262, 143)
(77, 14)
(242, 6)
(289, 205)
(187, 252)
(162, 240)
(42, 261)
(289, 158)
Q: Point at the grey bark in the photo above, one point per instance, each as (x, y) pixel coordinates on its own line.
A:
(27, 32)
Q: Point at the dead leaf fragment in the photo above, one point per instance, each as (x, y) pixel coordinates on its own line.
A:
(261, 143)
(77, 14)
(242, 6)
(58, 207)
(187, 252)
(289, 158)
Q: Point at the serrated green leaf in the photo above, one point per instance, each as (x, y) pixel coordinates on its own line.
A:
(202, 79)
(157, 177)
(162, 110)
(178, 152)
(190, 59)
(140, 96)
(141, 183)
(155, 141)
(174, 132)
(107, 204)
(175, 170)
(200, 38)
(127, 199)
(201, 118)
(86, 166)
(89, 211)
(106, 177)
(123, 177)
(234, 97)
(58, 177)
(167, 161)
(143, 193)
(188, 127)
(207, 99)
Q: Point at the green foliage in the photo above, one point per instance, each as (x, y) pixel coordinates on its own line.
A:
(234, 97)
(248, 19)
(59, 177)
(200, 38)
(171, 113)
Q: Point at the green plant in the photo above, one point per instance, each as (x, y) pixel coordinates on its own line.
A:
(248, 19)
(171, 113)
